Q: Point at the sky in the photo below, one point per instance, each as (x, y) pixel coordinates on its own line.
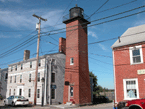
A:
(18, 25)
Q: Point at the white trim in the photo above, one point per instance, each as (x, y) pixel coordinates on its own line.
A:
(124, 86)
(114, 77)
(141, 54)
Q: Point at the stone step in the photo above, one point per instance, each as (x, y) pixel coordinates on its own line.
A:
(68, 103)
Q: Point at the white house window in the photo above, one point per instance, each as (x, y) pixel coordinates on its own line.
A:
(20, 92)
(16, 68)
(21, 66)
(136, 56)
(39, 63)
(14, 91)
(31, 64)
(38, 93)
(53, 62)
(52, 93)
(53, 77)
(38, 77)
(20, 78)
(130, 89)
(11, 79)
(29, 93)
(9, 92)
(15, 78)
(29, 77)
(71, 61)
(11, 68)
(6, 76)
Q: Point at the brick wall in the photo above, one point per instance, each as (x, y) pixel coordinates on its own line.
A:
(124, 70)
(77, 74)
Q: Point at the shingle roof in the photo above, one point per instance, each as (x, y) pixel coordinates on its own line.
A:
(131, 36)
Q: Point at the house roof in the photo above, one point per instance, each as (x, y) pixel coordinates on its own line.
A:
(131, 36)
(32, 59)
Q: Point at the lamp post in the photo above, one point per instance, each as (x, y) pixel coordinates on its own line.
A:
(42, 80)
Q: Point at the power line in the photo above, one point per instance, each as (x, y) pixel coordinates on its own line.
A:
(61, 15)
(18, 41)
(14, 31)
(117, 6)
(101, 55)
(98, 8)
(17, 47)
(112, 20)
(100, 61)
(19, 50)
(48, 42)
(102, 19)
(103, 10)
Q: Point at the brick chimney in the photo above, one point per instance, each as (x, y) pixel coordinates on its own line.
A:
(62, 45)
(26, 55)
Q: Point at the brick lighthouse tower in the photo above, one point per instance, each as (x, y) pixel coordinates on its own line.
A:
(77, 83)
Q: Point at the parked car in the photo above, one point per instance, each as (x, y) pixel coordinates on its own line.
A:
(16, 100)
(136, 104)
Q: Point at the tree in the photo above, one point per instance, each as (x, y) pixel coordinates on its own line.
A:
(94, 82)
(96, 88)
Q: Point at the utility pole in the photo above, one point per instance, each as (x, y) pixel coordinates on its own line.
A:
(37, 57)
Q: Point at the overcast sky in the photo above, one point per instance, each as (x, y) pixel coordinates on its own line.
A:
(17, 22)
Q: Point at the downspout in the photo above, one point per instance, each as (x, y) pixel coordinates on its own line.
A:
(45, 83)
(50, 81)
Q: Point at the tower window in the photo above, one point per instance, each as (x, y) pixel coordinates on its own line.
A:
(71, 91)
(71, 61)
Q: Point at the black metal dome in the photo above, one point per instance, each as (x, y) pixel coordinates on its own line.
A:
(75, 12)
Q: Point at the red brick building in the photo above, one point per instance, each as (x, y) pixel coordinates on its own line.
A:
(129, 66)
(77, 83)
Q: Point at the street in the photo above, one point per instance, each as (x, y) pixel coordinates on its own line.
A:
(98, 106)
